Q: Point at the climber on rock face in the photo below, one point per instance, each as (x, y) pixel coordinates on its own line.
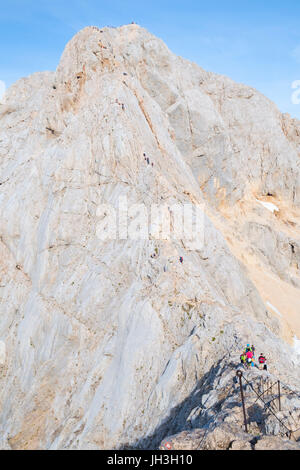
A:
(249, 358)
(243, 358)
(262, 362)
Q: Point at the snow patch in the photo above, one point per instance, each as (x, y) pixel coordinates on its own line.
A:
(274, 309)
(268, 205)
(297, 345)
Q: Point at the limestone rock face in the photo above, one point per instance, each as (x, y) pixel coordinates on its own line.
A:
(105, 343)
(216, 421)
(225, 439)
(271, 443)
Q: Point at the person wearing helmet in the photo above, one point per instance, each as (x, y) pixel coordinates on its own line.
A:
(249, 356)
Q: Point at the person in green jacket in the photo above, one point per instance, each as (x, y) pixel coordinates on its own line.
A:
(243, 359)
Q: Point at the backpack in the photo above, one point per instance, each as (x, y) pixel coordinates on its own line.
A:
(262, 359)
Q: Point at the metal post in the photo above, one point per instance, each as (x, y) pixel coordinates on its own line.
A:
(240, 375)
(279, 397)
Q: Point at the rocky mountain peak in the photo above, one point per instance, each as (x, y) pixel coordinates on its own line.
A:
(107, 338)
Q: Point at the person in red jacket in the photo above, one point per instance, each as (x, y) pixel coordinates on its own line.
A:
(262, 362)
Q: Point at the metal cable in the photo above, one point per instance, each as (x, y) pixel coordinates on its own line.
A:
(267, 405)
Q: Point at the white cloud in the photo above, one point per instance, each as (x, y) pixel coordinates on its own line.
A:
(296, 94)
(2, 90)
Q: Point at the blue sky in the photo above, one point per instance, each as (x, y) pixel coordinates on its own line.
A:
(256, 42)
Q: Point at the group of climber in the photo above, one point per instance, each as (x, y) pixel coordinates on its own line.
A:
(147, 159)
(248, 358)
(120, 104)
